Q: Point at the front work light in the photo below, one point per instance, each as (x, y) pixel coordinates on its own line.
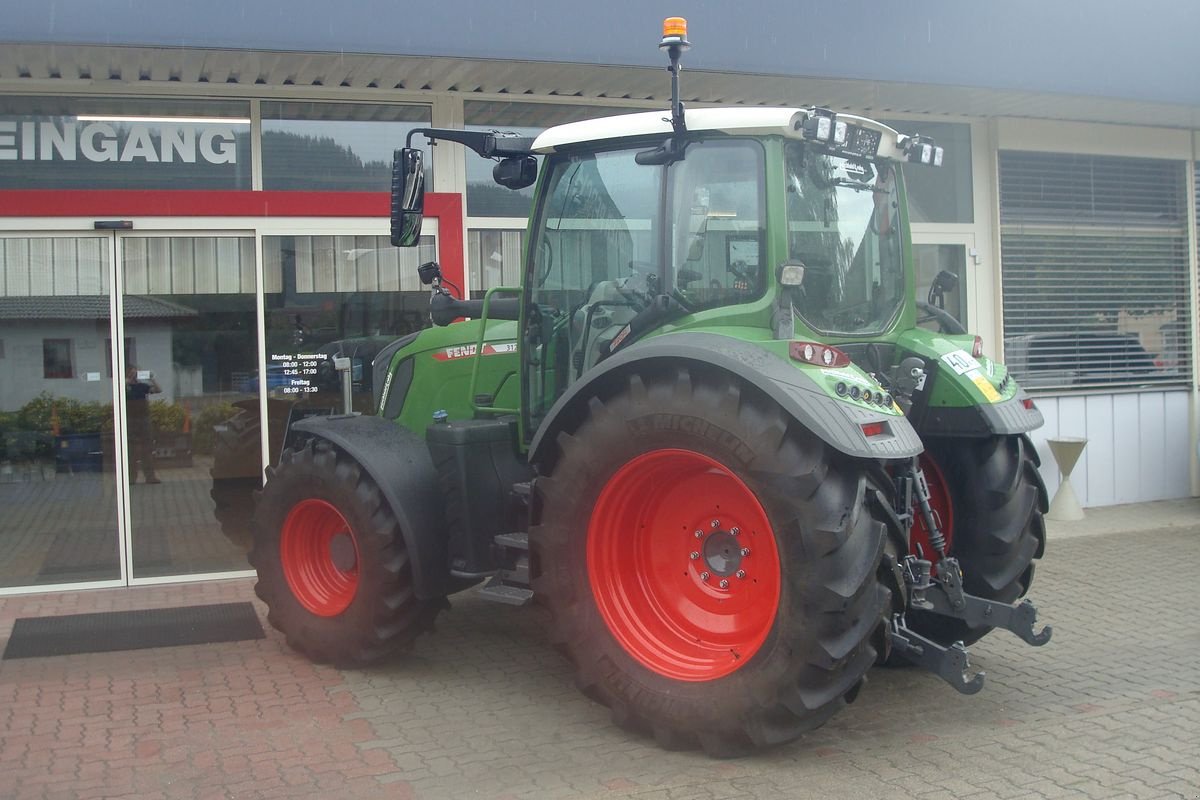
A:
(922, 150)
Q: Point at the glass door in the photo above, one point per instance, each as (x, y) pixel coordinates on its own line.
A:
(59, 481)
(190, 407)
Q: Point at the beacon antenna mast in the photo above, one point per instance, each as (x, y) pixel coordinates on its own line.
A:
(674, 41)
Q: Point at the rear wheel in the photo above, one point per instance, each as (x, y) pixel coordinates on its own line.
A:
(332, 565)
(990, 499)
(710, 566)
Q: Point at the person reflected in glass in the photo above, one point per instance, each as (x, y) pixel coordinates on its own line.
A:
(141, 431)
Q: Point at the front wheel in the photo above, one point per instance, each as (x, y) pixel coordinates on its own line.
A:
(332, 565)
(710, 566)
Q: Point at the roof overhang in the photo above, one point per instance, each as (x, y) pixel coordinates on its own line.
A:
(101, 69)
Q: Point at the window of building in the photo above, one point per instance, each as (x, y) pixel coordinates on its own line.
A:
(336, 146)
(1094, 253)
(945, 193)
(56, 142)
(57, 360)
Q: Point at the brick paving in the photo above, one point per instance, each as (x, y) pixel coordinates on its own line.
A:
(484, 708)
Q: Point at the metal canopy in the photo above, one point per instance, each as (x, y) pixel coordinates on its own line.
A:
(40, 68)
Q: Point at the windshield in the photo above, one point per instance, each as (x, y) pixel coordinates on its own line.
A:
(843, 227)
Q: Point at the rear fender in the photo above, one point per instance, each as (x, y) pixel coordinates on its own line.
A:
(837, 423)
(399, 463)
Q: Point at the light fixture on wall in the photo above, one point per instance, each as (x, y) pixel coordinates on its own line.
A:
(193, 120)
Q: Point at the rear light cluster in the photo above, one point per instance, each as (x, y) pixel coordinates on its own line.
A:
(870, 429)
(819, 355)
(875, 397)
(1028, 403)
(977, 348)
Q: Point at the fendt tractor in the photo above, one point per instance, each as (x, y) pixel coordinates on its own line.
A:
(708, 433)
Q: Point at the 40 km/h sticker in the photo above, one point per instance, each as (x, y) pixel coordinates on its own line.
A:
(469, 350)
(961, 361)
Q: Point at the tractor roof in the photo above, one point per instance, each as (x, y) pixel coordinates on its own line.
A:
(744, 121)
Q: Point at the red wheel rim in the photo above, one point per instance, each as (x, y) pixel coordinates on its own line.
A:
(683, 565)
(943, 510)
(320, 557)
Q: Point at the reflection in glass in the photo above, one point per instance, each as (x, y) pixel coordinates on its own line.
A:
(190, 401)
(55, 142)
(57, 463)
(940, 194)
(334, 295)
(843, 227)
(337, 146)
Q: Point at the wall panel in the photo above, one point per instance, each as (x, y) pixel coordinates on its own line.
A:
(1138, 446)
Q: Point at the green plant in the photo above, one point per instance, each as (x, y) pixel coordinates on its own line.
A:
(203, 423)
(167, 417)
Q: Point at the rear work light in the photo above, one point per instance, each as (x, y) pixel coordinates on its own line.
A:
(819, 355)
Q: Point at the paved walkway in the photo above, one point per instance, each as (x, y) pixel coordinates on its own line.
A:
(484, 708)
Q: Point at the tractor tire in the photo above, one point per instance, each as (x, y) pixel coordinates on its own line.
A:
(332, 565)
(709, 565)
(236, 475)
(991, 493)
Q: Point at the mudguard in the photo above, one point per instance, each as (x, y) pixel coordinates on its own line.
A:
(399, 463)
(837, 423)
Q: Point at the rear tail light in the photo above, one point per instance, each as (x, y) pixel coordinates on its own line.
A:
(1028, 403)
(977, 348)
(820, 355)
(870, 429)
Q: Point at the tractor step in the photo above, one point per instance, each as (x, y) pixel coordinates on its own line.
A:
(510, 585)
(513, 541)
(499, 592)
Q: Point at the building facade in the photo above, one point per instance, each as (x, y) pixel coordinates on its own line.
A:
(212, 194)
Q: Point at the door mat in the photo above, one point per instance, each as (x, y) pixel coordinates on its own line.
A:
(36, 637)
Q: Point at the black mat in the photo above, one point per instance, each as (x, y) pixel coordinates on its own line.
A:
(132, 630)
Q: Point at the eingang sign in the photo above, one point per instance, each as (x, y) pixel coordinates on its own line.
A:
(65, 152)
(105, 141)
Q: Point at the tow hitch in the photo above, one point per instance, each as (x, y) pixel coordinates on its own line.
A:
(943, 594)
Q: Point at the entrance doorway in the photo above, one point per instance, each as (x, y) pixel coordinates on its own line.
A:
(106, 449)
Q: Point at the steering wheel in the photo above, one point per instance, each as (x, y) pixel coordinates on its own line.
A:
(546, 255)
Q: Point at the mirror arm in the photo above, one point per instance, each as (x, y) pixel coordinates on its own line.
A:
(486, 143)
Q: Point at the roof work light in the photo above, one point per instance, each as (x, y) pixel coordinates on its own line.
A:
(675, 33)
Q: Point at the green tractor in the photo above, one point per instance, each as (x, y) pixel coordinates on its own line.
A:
(706, 433)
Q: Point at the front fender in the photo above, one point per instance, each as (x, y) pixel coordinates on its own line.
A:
(837, 423)
(399, 463)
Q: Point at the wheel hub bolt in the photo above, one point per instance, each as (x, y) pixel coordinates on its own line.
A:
(716, 523)
(699, 534)
(724, 584)
(745, 551)
(703, 576)
(736, 531)
(741, 573)
(694, 555)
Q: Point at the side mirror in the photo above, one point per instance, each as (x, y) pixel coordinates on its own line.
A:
(408, 197)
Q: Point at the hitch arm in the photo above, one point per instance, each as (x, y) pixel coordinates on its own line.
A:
(948, 663)
(948, 599)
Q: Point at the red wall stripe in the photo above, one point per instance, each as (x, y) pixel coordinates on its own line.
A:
(117, 204)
